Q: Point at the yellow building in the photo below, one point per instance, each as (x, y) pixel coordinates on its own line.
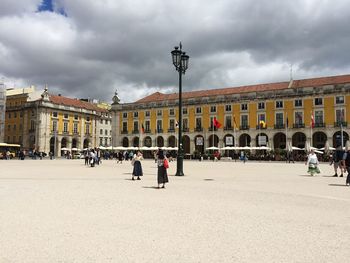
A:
(46, 122)
(284, 111)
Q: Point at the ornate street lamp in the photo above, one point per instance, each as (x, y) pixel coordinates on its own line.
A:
(180, 61)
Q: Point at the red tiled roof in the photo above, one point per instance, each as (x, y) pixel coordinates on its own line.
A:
(75, 103)
(314, 82)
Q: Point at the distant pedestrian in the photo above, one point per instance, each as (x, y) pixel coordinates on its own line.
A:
(337, 158)
(137, 170)
(120, 157)
(346, 164)
(163, 165)
(312, 163)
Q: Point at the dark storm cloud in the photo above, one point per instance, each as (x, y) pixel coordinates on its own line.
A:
(100, 46)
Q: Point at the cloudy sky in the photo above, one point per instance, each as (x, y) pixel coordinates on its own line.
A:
(89, 48)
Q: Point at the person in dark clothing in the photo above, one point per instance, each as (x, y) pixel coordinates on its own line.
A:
(337, 161)
(162, 164)
(136, 161)
(346, 165)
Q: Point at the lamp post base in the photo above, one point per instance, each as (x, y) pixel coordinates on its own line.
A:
(179, 168)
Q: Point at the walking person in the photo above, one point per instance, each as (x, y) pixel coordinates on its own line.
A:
(337, 158)
(120, 157)
(312, 163)
(136, 162)
(346, 165)
(163, 165)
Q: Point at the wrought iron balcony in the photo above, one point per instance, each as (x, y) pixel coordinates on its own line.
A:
(135, 131)
(320, 125)
(198, 129)
(124, 132)
(244, 127)
(260, 127)
(159, 131)
(185, 129)
(171, 130)
(212, 129)
(147, 131)
(279, 126)
(228, 128)
(337, 124)
(298, 125)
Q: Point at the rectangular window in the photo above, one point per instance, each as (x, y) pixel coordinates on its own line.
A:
(125, 115)
(244, 106)
(101, 131)
(14, 127)
(228, 108)
(65, 127)
(171, 112)
(228, 122)
(9, 115)
(198, 110)
(32, 125)
(318, 101)
(184, 111)
(101, 121)
(54, 126)
(20, 127)
(136, 126)
(212, 108)
(106, 141)
(298, 103)
(147, 113)
(136, 114)
(185, 124)
(15, 114)
(261, 117)
(76, 117)
(101, 141)
(147, 126)
(21, 114)
(125, 126)
(244, 120)
(279, 118)
(55, 114)
(87, 128)
(106, 122)
(298, 117)
(318, 116)
(339, 115)
(279, 104)
(106, 132)
(261, 105)
(8, 127)
(339, 100)
(75, 127)
(65, 116)
(87, 118)
(198, 123)
(159, 126)
(159, 112)
(172, 124)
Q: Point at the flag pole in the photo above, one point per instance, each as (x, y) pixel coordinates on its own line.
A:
(287, 132)
(312, 123)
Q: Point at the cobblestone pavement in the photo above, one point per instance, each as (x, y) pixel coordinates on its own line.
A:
(63, 211)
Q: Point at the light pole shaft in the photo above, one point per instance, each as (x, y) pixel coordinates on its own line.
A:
(179, 167)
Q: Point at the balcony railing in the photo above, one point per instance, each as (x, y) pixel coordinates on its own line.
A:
(298, 125)
(124, 132)
(171, 130)
(259, 127)
(135, 131)
(337, 124)
(320, 125)
(198, 129)
(185, 129)
(228, 128)
(147, 131)
(244, 127)
(212, 129)
(279, 126)
(159, 131)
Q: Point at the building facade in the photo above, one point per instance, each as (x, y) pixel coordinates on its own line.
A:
(2, 111)
(50, 123)
(279, 115)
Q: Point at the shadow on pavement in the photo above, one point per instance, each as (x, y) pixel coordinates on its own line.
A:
(338, 185)
(151, 187)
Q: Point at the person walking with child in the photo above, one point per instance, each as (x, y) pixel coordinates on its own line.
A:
(163, 165)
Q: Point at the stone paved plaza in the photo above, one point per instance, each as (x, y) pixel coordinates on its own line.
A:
(62, 211)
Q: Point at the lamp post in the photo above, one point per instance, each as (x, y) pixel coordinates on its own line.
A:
(180, 61)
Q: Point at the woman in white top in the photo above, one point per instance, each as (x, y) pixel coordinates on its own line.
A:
(312, 163)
